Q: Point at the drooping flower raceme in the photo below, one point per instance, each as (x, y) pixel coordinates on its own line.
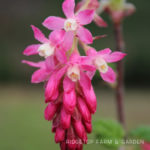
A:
(67, 75)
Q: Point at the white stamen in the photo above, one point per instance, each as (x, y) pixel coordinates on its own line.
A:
(70, 25)
(73, 73)
(101, 65)
(46, 50)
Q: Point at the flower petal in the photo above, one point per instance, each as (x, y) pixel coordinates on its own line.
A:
(61, 55)
(84, 81)
(109, 76)
(50, 63)
(105, 51)
(50, 111)
(68, 8)
(39, 76)
(53, 83)
(91, 52)
(90, 74)
(68, 40)
(85, 16)
(40, 64)
(99, 21)
(59, 135)
(115, 56)
(88, 67)
(84, 35)
(54, 23)
(90, 98)
(79, 128)
(69, 101)
(68, 84)
(84, 110)
(56, 37)
(65, 119)
(31, 49)
(39, 35)
(71, 136)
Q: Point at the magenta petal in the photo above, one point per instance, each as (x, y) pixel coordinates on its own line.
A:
(61, 55)
(84, 81)
(65, 119)
(31, 49)
(63, 145)
(39, 35)
(53, 83)
(40, 64)
(74, 57)
(99, 21)
(105, 51)
(90, 74)
(85, 35)
(115, 56)
(39, 76)
(89, 94)
(68, 40)
(91, 52)
(56, 37)
(109, 76)
(50, 111)
(68, 8)
(69, 101)
(85, 16)
(84, 109)
(68, 85)
(88, 126)
(54, 23)
(71, 136)
(50, 63)
(88, 67)
(59, 135)
(90, 99)
(79, 128)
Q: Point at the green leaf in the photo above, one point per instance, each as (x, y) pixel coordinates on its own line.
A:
(109, 130)
(141, 132)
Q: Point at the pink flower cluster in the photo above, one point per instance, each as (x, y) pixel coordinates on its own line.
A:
(69, 94)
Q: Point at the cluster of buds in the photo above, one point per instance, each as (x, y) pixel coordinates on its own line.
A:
(117, 9)
(69, 94)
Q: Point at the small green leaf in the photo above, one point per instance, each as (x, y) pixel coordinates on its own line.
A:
(142, 132)
(109, 130)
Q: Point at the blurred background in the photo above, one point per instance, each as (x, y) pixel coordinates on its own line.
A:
(22, 125)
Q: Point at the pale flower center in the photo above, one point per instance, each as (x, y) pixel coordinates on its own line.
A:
(70, 25)
(73, 73)
(101, 65)
(46, 50)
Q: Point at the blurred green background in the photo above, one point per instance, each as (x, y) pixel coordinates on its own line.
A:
(22, 125)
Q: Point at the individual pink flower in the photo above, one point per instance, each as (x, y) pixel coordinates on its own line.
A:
(94, 5)
(49, 46)
(101, 59)
(73, 24)
(73, 69)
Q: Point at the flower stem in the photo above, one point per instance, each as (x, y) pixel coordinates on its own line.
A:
(118, 33)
